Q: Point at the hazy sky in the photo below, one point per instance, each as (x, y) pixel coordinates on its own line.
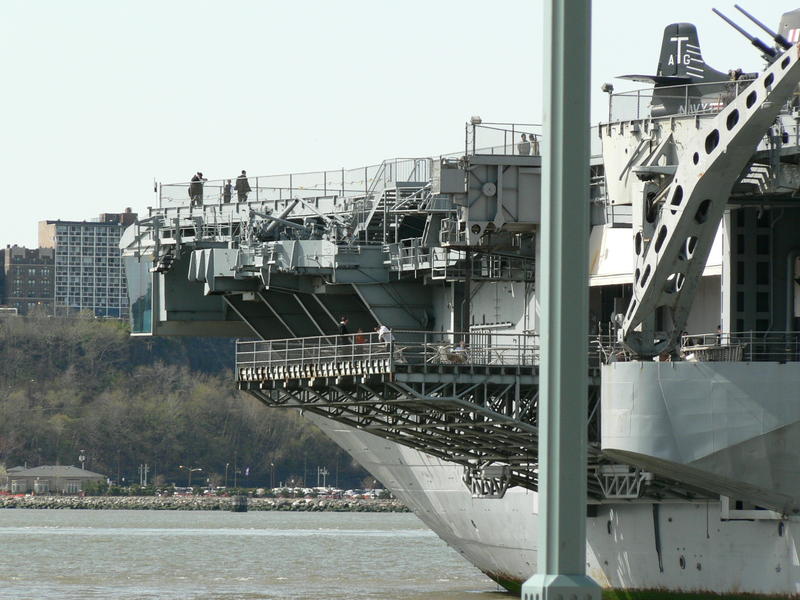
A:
(99, 98)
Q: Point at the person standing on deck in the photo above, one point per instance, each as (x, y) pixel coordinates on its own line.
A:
(524, 146)
(343, 331)
(196, 189)
(227, 191)
(385, 334)
(242, 186)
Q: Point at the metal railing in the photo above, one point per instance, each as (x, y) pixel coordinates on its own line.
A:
(515, 139)
(391, 172)
(451, 232)
(691, 99)
(409, 255)
(308, 357)
(314, 184)
(748, 346)
(341, 354)
(368, 353)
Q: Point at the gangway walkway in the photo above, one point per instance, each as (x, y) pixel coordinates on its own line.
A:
(470, 398)
(473, 403)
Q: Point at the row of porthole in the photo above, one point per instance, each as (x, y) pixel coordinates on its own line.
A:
(712, 141)
(700, 217)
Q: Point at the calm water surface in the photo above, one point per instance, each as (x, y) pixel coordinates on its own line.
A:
(47, 554)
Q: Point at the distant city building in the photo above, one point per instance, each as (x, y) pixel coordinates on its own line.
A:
(88, 265)
(27, 278)
(49, 479)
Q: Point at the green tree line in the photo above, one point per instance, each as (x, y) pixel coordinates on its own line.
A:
(80, 384)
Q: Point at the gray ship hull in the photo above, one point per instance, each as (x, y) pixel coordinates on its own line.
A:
(691, 550)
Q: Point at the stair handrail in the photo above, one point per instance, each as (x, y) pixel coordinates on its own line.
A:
(361, 224)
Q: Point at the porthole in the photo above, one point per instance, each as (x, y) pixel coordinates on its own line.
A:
(674, 283)
(732, 120)
(751, 99)
(688, 247)
(712, 141)
(652, 208)
(702, 212)
(695, 158)
(637, 242)
(768, 81)
(785, 62)
(781, 529)
(677, 197)
(645, 276)
(682, 562)
(636, 276)
(608, 527)
(662, 235)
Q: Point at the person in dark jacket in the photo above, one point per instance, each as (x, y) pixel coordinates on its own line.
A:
(343, 331)
(196, 189)
(227, 191)
(242, 186)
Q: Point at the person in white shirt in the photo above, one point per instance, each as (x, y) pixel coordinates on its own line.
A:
(385, 334)
(460, 353)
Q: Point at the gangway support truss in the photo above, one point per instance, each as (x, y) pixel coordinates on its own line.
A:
(669, 263)
(478, 409)
(468, 420)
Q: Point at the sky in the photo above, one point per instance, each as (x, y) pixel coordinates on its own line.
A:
(100, 99)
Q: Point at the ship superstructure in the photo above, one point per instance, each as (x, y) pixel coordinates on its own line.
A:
(693, 209)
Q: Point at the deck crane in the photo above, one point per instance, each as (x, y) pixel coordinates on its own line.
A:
(676, 222)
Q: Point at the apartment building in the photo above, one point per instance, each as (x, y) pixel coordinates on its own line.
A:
(88, 271)
(27, 278)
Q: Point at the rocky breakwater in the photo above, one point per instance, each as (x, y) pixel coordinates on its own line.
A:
(200, 503)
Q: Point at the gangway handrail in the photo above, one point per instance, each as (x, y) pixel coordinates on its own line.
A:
(746, 346)
(365, 353)
(330, 180)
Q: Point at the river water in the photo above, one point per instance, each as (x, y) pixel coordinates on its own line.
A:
(109, 554)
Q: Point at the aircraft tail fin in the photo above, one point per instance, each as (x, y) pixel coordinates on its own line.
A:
(682, 58)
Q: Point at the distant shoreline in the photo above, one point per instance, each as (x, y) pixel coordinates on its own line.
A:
(199, 503)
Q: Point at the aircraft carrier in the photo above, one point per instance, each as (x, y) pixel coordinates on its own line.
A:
(693, 352)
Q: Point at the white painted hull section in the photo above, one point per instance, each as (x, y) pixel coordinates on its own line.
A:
(499, 537)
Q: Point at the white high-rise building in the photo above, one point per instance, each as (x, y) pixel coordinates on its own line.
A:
(88, 272)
